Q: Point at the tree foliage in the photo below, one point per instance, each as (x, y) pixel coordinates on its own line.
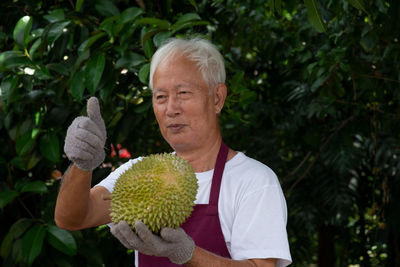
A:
(313, 93)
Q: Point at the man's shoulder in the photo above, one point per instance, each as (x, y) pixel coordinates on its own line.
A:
(246, 163)
(248, 169)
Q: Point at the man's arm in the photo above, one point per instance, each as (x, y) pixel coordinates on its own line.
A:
(202, 258)
(78, 206)
(176, 245)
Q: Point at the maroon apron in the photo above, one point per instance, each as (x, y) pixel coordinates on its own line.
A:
(203, 225)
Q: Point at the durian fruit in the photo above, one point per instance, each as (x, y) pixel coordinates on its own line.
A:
(159, 190)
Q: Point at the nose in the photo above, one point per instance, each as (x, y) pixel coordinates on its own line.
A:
(173, 106)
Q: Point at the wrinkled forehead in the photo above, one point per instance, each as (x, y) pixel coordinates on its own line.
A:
(185, 65)
(177, 74)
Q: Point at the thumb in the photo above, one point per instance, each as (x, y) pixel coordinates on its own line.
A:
(93, 111)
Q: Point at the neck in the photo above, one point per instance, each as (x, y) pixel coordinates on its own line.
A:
(202, 158)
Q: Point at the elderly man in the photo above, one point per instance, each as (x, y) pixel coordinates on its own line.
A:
(240, 214)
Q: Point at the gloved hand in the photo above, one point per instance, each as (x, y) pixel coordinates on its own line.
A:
(86, 137)
(174, 244)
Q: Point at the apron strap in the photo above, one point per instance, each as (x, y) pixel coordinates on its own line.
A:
(217, 175)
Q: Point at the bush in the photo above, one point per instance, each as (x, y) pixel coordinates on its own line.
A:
(313, 94)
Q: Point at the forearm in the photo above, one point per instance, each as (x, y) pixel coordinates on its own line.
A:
(73, 198)
(204, 258)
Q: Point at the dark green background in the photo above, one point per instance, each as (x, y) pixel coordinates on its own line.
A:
(313, 93)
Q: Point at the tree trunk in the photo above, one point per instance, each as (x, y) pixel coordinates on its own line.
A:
(326, 246)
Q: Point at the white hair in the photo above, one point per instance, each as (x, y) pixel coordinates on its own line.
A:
(201, 51)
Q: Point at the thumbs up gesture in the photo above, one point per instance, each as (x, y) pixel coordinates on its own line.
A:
(86, 137)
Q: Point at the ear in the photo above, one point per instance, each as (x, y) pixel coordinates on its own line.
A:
(220, 92)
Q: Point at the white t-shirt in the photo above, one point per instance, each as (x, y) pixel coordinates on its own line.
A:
(252, 208)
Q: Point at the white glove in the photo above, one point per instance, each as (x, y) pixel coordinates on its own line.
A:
(174, 244)
(86, 137)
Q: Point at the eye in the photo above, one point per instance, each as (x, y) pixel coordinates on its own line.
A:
(159, 98)
(184, 94)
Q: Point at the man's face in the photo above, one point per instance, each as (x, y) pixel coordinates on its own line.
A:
(182, 103)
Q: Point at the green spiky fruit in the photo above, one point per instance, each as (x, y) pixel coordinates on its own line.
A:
(159, 190)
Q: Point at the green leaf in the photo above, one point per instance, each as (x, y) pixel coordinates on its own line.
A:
(7, 88)
(59, 68)
(143, 107)
(16, 251)
(149, 34)
(55, 15)
(271, 4)
(78, 85)
(25, 143)
(359, 4)
(188, 17)
(22, 30)
(20, 183)
(12, 59)
(7, 197)
(236, 81)
(42, 73)
(107, 88)
(194, 4)
(94, 71)
(144, 73)
(50, 147)
(106, 8)
(126, 34)
(148, 49)
(34, 159)
(130, 14)
(32, 243)
(369, 41)
(318, 82)
(89, 42)
(130, 60)
(62, 240)
(160, 23)
(20, 226)
(278, 6)
(189, 24)
(8, 120)
(81, 58)
(314, 16)
(15, 231)
(21, 128)
(247, 97)
(78, 5)
(18, 162)
(56, 30)
(115, 120)
(161, 37)
(35, 187)
(34, 47)
(114, 25)
(108, 25)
